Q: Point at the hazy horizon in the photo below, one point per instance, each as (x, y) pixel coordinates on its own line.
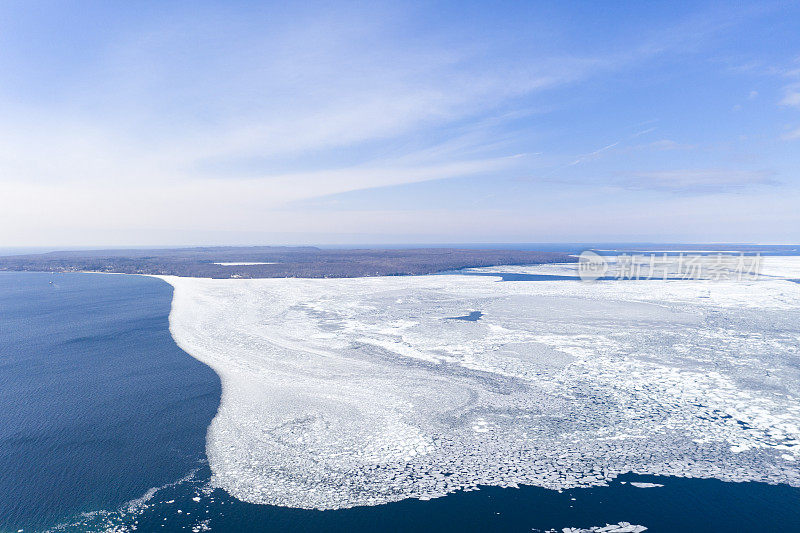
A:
(533, 246)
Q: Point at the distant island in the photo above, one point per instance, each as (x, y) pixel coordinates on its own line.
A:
(275, 261)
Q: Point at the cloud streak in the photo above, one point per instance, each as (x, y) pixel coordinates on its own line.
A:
(697, 181)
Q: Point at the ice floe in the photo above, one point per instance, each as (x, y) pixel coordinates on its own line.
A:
(344, 392)
(622, 527)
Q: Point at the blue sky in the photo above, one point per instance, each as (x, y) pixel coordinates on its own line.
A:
(252, 123)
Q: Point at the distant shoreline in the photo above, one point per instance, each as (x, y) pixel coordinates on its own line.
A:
(275, 262)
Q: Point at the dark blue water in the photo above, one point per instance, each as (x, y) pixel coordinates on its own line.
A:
(97, 403)
(98, 406)
(474, 316)
(684, 505)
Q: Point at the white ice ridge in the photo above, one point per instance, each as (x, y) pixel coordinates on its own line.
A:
(344, 392)
(643, 485)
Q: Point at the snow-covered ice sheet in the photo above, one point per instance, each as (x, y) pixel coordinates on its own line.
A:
(344, 392)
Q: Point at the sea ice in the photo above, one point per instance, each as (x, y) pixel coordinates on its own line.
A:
(622, 527)
(344, 392)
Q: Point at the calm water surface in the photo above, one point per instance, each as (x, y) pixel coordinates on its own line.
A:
(97, 403)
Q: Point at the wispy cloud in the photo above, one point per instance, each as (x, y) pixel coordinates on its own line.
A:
(791, 135)
(665, 145)
(310, 88)
(593, 154)
(697, 181)
(791, 96)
